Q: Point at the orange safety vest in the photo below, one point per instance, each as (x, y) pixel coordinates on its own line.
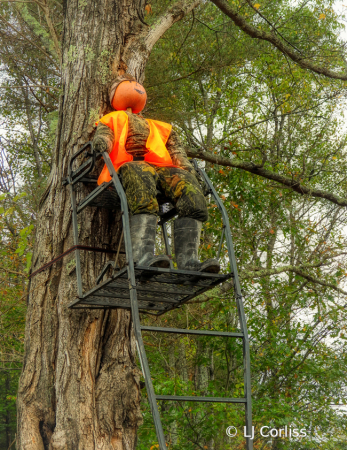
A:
(157, 152)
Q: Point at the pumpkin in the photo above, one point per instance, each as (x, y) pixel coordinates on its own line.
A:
(129, 94)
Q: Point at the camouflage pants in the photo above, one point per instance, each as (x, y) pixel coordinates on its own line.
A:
(141, 180)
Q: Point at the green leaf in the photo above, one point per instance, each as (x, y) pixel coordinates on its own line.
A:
(19, 196)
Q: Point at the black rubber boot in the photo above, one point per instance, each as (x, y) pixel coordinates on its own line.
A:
(143, 228)
(187, 239)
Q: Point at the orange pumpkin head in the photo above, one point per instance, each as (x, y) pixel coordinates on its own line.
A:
(129, 94)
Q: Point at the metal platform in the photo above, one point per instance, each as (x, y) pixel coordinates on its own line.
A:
(157, 289)
(153, 290)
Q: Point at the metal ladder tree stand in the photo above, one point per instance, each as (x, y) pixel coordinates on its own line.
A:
(154, 290)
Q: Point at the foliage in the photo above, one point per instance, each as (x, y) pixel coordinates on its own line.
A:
(26, 138)
(8, 389)
(241, 103)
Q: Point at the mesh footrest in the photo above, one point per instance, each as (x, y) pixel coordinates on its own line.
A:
(103, 196)
(157, 289)
(108, 199)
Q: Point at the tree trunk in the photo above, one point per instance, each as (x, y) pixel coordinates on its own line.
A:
(80, 385)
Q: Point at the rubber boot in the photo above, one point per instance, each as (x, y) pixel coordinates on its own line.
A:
(143, 228)
(186, 240)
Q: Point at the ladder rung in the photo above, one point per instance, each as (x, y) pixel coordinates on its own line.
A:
(198, 332)
(181, 398)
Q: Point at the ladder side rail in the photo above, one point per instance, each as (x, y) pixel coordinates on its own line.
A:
(167, 243)
(221, 242)
(72, 181)
(134, 304)
(75, 238)
(242, 316)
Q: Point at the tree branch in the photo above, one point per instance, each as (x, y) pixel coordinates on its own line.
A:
(138, 50)
(12, 271)
(173, 15)
(317, 281)
(261, 273)
(30, 42)
(291, 183)
(51, 28)
(255, 33)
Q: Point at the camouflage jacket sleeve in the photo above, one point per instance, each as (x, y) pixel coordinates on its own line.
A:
(177, 152)
(103, 139)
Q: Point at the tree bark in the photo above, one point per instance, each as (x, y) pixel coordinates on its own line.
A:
(80, 385)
